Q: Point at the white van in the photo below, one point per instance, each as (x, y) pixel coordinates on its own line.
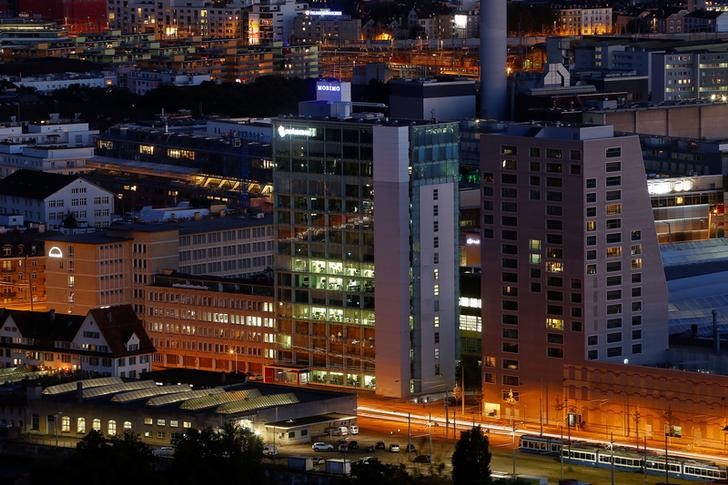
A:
(342, 431)
(354, 429)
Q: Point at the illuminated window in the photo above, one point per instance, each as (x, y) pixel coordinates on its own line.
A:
(470, 323)
(146, 149)
(81, 425)
(591, 225)
(636, 263)
(436, 321)
(177, 153)
(555, 323)
(554, 266)
(96, 424)
(66, 424)
(127, 425)
(534, 245)
(614, 252)
(614, 209)
(436, 290)
(112, 428)
(636, 250)
(535, 258)
(148, 421)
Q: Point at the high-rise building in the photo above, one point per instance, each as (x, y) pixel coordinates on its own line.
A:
(571, 265)
(366, 226)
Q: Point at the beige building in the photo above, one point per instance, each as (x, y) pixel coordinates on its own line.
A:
(86, 271)
(584, 21)
(209, 323)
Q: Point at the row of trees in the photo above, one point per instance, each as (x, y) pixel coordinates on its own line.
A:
(233, 455)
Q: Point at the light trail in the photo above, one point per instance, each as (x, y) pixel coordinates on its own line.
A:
(401, 417)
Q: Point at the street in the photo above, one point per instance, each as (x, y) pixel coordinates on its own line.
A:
(374, 430)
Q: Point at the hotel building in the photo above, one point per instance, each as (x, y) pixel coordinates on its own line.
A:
(571, 266)
(366, 223)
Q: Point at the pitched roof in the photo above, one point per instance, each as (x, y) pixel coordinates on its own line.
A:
(33, 184)
(46, 327)
(117, 324)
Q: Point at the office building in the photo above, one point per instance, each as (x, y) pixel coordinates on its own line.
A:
(86, 271)
(209, 323)
(432, 100)
(56, 200)
(570, 262)
(366, 228)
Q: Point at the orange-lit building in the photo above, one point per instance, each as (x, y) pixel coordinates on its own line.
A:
(208, 323)
(87, 271)
(22, 271)
(584, 21)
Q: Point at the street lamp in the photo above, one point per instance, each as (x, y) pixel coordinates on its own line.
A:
(232, 352)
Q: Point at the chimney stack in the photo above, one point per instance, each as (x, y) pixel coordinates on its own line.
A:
(493, 46)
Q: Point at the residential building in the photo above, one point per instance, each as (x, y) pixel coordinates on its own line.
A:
(56, 199)
(107, 341)
(22, 270)
(706, 21)
(54, 82)
(577, 274)
(351, 198)
(321, 27)
(141, 81)
(76, 15)
(584, 21)
(211, 323)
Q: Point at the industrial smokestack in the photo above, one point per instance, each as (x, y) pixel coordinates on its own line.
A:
(493, 46)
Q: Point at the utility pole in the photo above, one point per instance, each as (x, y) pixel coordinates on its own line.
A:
(561, 451)
(611, 461)
(447, 417)
(668, 417)
(409, 432)
(513, 452)
(644, 466)
(454, 426)
(430, 426)
(462, 390)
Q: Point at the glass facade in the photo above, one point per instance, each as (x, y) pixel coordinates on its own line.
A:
(325, 250)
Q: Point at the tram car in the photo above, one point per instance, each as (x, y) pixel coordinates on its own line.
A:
(625, 458)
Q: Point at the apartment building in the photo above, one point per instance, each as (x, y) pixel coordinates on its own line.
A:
(584, 21)
(22, 271)
(365, 212)
(108, 341)
(211, 323)
(571, 266)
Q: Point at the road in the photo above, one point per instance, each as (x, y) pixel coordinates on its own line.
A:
(374, 430)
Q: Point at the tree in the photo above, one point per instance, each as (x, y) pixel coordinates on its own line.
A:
(70, 222)
(228, 455)
(471, 459)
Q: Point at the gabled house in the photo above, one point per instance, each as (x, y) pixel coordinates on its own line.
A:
(108, 341)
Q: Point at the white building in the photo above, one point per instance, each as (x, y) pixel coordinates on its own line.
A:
(54, 82)
(43, 158)
(49, 198)
(140, 82)
(107, 341)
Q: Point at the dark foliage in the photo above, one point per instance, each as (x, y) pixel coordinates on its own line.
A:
(471, 459)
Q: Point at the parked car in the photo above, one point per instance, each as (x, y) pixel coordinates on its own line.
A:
(371, 448)
(368, 460)
(410, 448)
(321, 446)
(343, 447)
(354, 429)
(380, 445)
(319, 460)
(163, 452)
(394, 448)
(423, 459)
(353, 445)
(270, 450)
